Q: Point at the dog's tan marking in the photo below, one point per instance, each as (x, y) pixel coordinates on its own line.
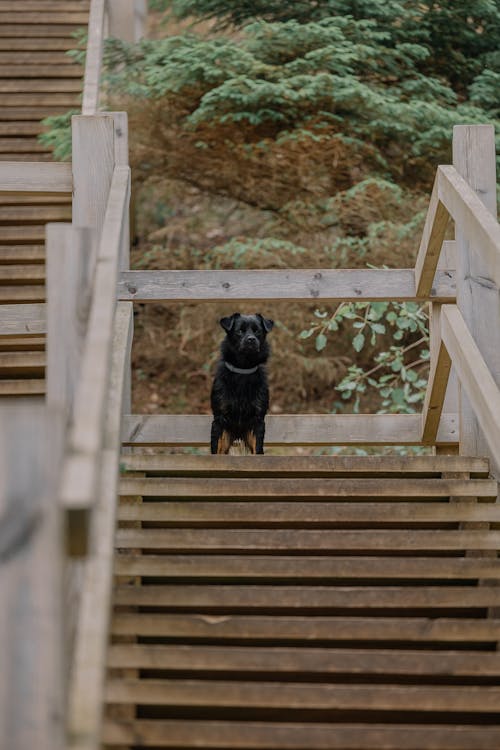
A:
(224, 443)
(251, 441)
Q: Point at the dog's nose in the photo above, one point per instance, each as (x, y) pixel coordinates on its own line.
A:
(251, 341)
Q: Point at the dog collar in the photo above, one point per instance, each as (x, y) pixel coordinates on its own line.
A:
(241, 370)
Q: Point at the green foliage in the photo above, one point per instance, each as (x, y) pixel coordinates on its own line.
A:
(58, 137)
(395, 373)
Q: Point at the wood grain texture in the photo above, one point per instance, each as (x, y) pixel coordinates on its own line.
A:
(440, 366)
(22, 320)
(93, 60)
(340, 285)
(54, 177)
(430, 245)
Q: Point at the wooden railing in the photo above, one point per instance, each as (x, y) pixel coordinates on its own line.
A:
(88, 319)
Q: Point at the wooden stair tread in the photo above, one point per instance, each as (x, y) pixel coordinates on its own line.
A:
(286, 628)
(227, 567)
(20, 293)
(22, 387)
(310, 487)
(20, 71)
(305, 660)
(282, 465)
(30, 274)
(37, 213)
(234, 735)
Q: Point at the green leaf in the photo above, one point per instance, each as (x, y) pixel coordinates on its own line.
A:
(358, 342)
(306, 334)
(320, 342)
(378, 327)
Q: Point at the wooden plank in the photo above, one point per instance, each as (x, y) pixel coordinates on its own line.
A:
(22, 294)
(19, 320)
(24, 387)
(12, 30)
(234, 735)
(290, 696)
(308, 487)
(307, 661)
(253, 597)
(474, 375)
(93, 61)
(295, 465)
(300, 540)
(22, 343)
(55, 177)
(93, 163)
(433, 235)
(22, 274)
(42, 70)
(28, 113)
(306, 429)
(294, 514)
(22, 254)
(44, 101)
(30, 580)
(335, 285)
(86, 702)
(45, 5)
(85, 442)
(37, 43)
(306, 629)
(438, 379)
(36, 214)
(20, 146)
(23, 234)
(25, 17)
(18, 363)
(48, 57)
(49, 85)
(271, 567)
(478, 298)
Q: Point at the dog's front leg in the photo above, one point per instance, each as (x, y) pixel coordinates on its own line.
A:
(260, 430)
(220, 440)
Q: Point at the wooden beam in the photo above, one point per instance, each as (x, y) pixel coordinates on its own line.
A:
(311, 284)
(474, 375)
(22, 320)
(438, 379)
(476, 222)
(303, 429)
(85, 441)
(86, 695)
(31, 558)
(93, 60)
(31, 177)
(430, 246)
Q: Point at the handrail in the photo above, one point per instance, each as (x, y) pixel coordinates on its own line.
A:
(93, 60)
(81, 466)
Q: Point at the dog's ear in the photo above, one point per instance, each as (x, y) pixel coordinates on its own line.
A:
(268, 324)
(227, 323)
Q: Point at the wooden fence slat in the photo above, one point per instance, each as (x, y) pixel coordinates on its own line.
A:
(26, 176)
(93, 60)
(430, 245)
(311, 284)
(309, 429)
(438, 379)
(85, 440)
(474, 375)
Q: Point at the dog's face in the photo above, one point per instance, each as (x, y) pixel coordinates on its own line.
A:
(247, 333)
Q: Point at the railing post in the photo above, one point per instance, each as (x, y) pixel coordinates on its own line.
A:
(478, 296)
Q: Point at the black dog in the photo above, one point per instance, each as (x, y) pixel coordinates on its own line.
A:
(240, 395)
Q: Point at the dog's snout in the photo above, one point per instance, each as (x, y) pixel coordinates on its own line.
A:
(251, 340)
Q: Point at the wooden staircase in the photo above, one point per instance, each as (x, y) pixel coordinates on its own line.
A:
(319, 602)
(37, 79)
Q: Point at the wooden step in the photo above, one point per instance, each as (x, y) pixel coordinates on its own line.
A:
(20, 85)
(269, 514)
(234, 735)
(304, 488)
(302, 629)
(306, 661)
(25, 343)
(254, 597)
(21, 363)
(306, 568)
(18, 294)
(22, 6)
(33, 233)
(35, 214)
(22, 16)
(42, 71)
(22, 254)
(22, 29)
(20, 145)
(22, 387)
(37, 43)
(27, 113)
(228, 466)
(25, 274)
(48, 57)
(45, 101)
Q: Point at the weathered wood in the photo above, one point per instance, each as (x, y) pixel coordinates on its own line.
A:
(54, 177)
(185, 464)
(475, 376)
(22, 320)
(310, 429)
(93, 60)
(24, 387)
(235, 735)
(254, 597)
(198, 513)
(309, 487)
(305, 660)
(87, 684)
(93, 163)
(283, 567)
(478, 262)
(301, 540)
(430, 246)
(438, 379)
(68, 293)
(85, 440)
(300, 628)
(49, 85)
(326, 284)
(31, 683)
